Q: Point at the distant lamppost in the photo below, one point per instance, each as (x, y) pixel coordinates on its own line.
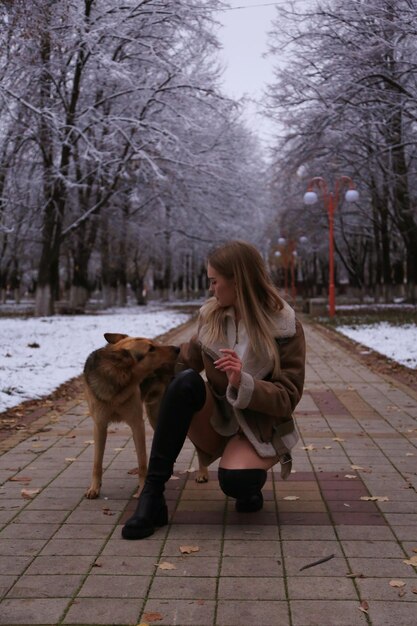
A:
(330, 202)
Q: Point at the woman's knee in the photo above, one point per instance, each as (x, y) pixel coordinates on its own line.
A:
(188, 387)
(241, 483)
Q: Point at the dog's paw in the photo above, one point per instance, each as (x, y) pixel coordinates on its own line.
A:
(92, 493)
(202, 477)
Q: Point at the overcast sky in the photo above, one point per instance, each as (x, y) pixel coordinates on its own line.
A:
(244, 36)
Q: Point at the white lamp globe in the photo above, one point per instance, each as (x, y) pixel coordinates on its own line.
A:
(277, 253)
(282, 241)
(310, 197)
(352, 195)
(303, 239)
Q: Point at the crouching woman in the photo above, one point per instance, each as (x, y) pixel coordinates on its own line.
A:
(252, 349)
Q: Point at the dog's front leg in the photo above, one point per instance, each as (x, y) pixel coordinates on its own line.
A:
(100, 436)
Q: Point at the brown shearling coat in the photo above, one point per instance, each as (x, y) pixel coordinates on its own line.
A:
(263, 405)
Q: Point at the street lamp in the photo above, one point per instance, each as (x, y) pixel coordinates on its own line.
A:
(330, 202)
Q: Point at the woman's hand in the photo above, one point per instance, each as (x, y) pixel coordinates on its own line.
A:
(231, 365)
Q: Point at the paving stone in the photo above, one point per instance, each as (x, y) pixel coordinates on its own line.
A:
(389, 613)
(246, 566)
(197, 612)
(190, 587)
(115, 586)
(251, 588)
(41, 586)
(267, 613)
(321, 588)
(380, 589)
(28, 611)
(59, 564)
(326, 613)
(97, 611)
(371, 548)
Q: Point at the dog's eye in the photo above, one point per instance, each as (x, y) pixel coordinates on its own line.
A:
(151, 348)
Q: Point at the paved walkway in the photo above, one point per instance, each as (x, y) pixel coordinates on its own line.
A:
(352, 497)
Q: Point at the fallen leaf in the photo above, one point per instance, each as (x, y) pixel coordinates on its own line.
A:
(364, 606)
(357, 467)
(414, 590)
(118, 449)
(414, 550)
(409, 454)
(97, 565)
(107, 511)
(21, 479)
(309, 447)
(189, 549)
(344, 504)
(28, 494)
(70, 459)
(375, 498)
(152, 617)
(166, 565)
(89, 441)
(350, 476)
(401, 593)
(327, 447)
(338, 439)
(291, 498)
(412, 561)
(397, 583)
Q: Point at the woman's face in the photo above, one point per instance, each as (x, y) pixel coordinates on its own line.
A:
(222, 288)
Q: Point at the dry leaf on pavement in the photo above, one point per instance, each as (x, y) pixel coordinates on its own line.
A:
(291, 498)
(411, 561)
(397, 583)
(338, 439)
(375, 498)
(350, 476)
(364, 606)
(152, 617)
(189, 549)
(28, 494)
(21, 479)
(309, 447)
(166, 565)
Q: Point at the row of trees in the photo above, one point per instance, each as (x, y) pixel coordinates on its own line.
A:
(346, 104)
(118, 152)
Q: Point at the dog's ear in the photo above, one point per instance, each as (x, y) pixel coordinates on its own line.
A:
(114, 337)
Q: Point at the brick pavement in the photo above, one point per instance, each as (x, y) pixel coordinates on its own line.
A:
(62, 560)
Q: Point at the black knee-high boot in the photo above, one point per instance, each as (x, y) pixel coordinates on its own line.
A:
(245, 485)
(185, 395)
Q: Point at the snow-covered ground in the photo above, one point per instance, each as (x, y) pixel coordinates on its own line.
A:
(39, 354)
(396, 342)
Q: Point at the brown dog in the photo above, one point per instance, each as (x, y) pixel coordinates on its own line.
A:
(113, 376)
(119, 379)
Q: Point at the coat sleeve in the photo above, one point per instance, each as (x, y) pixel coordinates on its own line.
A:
(279, 396)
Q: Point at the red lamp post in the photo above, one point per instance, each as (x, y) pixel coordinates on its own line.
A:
(330, 202)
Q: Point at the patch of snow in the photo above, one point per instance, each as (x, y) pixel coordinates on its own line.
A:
(64, 343)
(396, 342)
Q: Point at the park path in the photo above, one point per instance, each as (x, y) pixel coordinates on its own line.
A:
(352, 497)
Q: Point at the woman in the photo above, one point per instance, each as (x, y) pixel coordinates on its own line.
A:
(253, 352)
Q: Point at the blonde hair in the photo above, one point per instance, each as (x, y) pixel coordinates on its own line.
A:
(257, 297)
